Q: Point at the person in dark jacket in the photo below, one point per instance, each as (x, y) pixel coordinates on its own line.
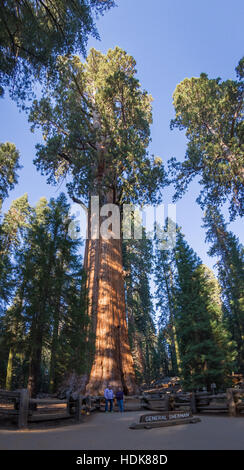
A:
(120, 399)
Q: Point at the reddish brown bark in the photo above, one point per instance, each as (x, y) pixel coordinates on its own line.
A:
(113, 363)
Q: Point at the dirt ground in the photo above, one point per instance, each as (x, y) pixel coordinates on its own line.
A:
(111, 431)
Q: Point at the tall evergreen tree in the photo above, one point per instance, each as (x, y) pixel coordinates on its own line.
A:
(137, 261)
(10, 235)
(230, 265)
(204, 344)
(48, 292)
(211, 112)
(96, 129)
(9, 164)
(164, 274)
(72, 350)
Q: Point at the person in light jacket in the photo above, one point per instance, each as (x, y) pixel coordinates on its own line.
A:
(109, 397)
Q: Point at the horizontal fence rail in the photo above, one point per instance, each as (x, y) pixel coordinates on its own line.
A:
(22, 409)
(18, 406)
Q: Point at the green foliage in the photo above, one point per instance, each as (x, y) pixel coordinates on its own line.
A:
(9, 164)
(6, 284)
(162, 362)
(193, 333)
(211, 112)
(164, 275)
(10, 230)
(230, 265)
(34, 33)
(206, 352)
(95, 124)
(71, 346)
(42, 324)
(137, 261)
(14, 221)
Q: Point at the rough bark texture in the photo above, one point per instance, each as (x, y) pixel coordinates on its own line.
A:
(72, 385)
(113, 363)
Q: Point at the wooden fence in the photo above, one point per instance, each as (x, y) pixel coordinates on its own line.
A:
(17, 405)
(22, 409)
(231, 402)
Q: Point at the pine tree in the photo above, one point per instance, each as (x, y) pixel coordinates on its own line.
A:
(162, 362)
(137, 261)
(72, 353)
(11, 231)
(14, 222)
(9, 165)
(47, 295)
(204, 344)
(49, 254)
(6, 284)
(164, 274)
(230, 265)
(11, 226)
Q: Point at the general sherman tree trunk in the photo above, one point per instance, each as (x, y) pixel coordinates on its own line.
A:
(113, 363)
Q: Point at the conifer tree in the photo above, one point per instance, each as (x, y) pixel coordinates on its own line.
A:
(72, 349)
(9, 164)
(34, 33)
(211, 112)
(137, 261)
(11, 230)
(206, 351)
(96, 126)
(162, 360)
(164, 274)
(47, 293)
(230, 265)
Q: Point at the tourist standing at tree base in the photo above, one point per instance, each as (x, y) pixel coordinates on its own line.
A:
(109, 396)
(120, 399)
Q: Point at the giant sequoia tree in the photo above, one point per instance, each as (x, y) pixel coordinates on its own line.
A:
(96, 124)
(211, 112)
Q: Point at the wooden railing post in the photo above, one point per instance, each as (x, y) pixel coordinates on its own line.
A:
(23, 409)
(78, 403)
(193, 403)
(167, 404)
(231, 402)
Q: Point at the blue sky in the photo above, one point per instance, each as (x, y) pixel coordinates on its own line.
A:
(170, 40)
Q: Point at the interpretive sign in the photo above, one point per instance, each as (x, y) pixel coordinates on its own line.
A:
(168, 416)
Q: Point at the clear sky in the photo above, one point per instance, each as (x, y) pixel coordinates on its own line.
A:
(170, 40)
